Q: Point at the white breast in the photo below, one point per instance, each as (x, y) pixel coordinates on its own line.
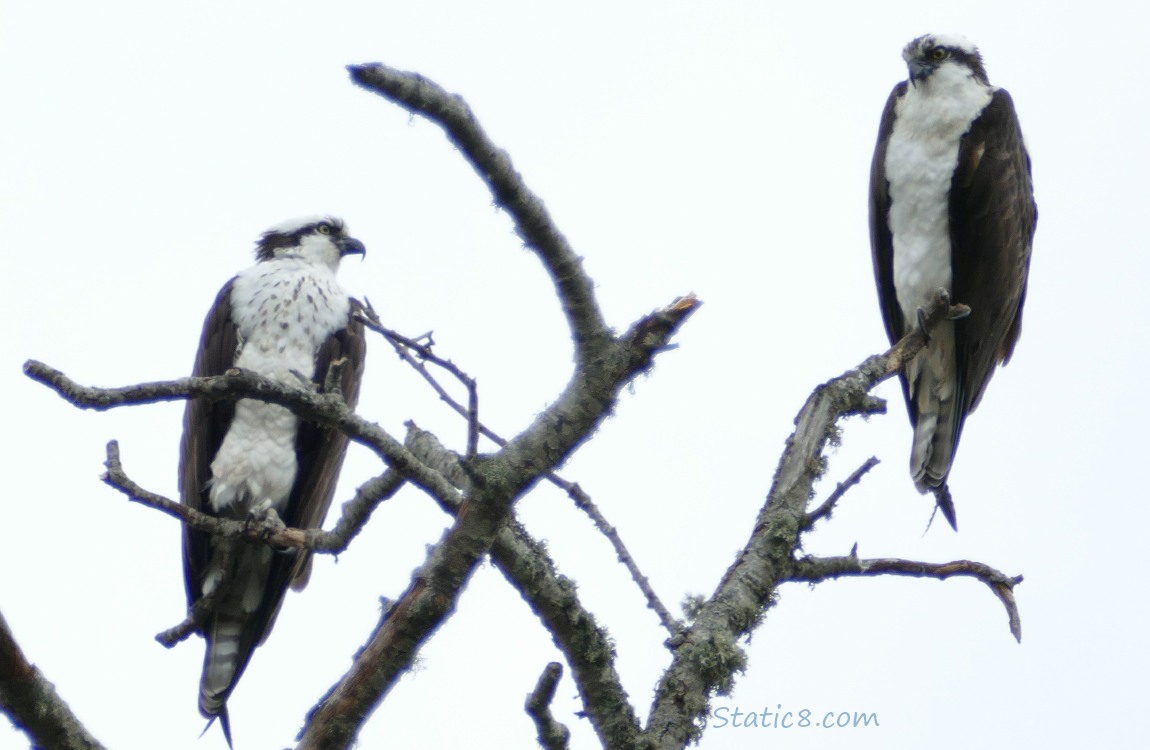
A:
(284, 310)
(930, 120)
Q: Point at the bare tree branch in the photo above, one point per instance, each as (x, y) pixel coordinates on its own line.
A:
(584, 503)
(403, 346)
(32, 703)
(602, 684)
(552, 734)
(196, 617)
(707, 655)
(480, 491)
(321, 408)
(824, 510)
(533, 223)
(354, 515)
(554, 598)
(582, 500)
(497, 482)
(815, 569)
(355, 512)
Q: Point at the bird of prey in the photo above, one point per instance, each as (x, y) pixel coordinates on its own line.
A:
(285, 318)
(951, 207)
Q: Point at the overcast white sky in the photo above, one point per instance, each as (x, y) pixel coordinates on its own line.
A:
(720, 148)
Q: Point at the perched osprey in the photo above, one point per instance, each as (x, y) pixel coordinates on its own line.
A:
(952, 207)
(286, 317)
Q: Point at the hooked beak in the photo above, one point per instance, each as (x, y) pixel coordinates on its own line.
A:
(350, 246)
(919, 71)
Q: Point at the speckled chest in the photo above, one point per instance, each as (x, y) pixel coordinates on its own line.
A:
(284, 310)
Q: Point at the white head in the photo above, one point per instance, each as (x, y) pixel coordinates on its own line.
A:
(319, 239)
(929, 53)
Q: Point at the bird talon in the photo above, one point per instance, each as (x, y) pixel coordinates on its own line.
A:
(264, 521)
(304, 380)
(922, 325)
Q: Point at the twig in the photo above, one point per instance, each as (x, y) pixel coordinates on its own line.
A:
(584, 502)
(825, 509)
(354, 515)
(404, 346)
(472, 421)
(815, 569)
(552, 734)
(574, 491)
(116, 478)
(366, 314)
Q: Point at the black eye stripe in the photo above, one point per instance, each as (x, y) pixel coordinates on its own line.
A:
(269, 242)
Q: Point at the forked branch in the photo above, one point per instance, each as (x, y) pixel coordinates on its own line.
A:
(707, 656)
(405, 347)
(355, 512)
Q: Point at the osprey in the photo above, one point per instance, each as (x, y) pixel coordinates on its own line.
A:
(286, 318)
(951, 207)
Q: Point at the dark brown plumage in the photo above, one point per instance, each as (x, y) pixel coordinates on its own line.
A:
(991, 218)
(319, 454)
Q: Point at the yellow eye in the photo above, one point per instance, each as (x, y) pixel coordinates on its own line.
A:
(939, 53)
(323, 228)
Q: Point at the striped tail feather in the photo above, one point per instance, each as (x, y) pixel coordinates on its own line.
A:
(248, 583)
(221, 663)
(933, 380)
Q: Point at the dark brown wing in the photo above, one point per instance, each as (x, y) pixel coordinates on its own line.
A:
(992, 221)
(205, 424)
(881, 240)
(320, 452)
(320, 455)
